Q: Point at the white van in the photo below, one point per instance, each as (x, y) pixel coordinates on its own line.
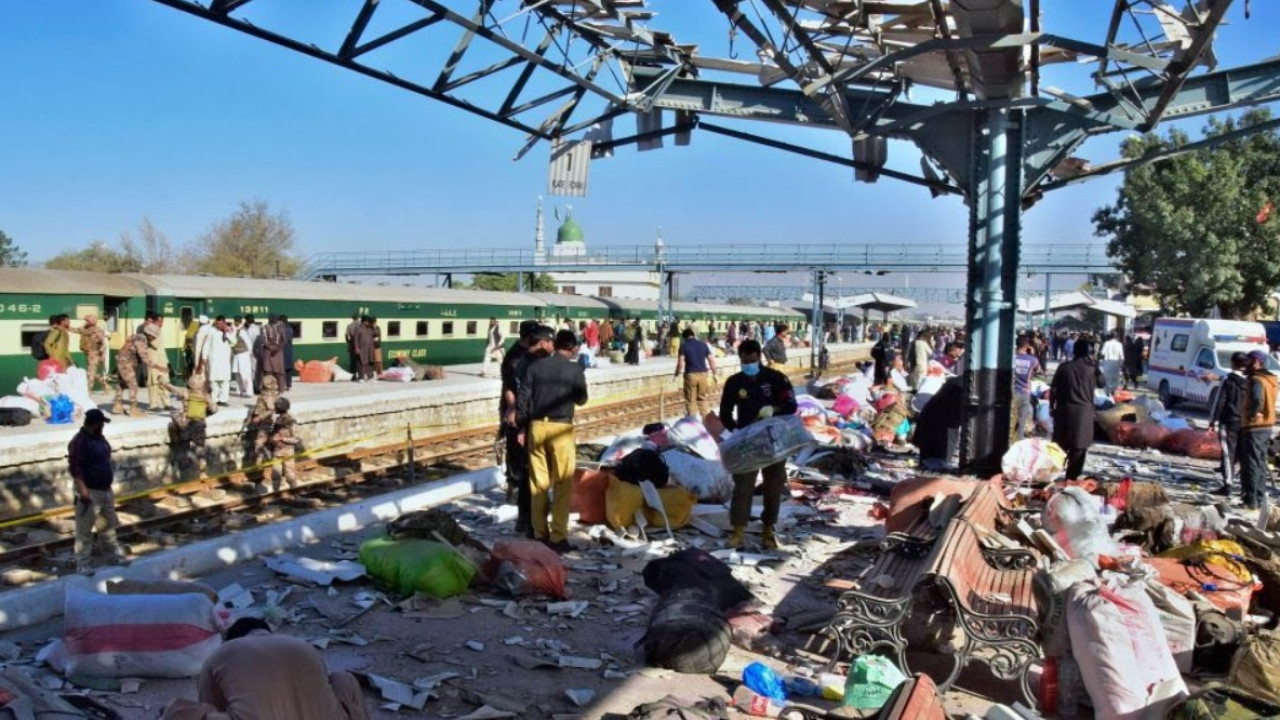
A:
(1189, 357)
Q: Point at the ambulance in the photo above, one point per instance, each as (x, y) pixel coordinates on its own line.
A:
(1190, 357)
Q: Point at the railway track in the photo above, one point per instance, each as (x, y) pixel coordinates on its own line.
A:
(38, 549)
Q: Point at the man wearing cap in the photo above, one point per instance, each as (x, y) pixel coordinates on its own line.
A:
(549, 391)
(89, 455)
(93, 343)
(1256, 421)
(517, 457)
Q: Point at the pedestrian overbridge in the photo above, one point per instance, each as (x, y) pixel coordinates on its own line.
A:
(777, 257)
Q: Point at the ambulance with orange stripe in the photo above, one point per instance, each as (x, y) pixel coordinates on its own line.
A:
(1190, 357)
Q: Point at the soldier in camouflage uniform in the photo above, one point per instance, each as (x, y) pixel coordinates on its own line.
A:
(135, 352)
(93, 343)
(284, 445)
(257, 426)
(187, 431)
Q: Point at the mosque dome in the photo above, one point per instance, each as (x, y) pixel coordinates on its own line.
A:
(570, 232)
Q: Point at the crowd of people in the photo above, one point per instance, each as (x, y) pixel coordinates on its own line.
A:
(224, 354)
(635, 342)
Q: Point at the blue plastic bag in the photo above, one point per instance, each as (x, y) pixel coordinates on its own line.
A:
(764, 681)
(61, 410)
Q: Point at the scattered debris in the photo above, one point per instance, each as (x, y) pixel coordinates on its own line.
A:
(319, 572)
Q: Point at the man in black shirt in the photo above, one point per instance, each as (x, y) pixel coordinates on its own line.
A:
(1224, 417)
(516, 456)
(544, 409)
(89, 454)
(753, 394)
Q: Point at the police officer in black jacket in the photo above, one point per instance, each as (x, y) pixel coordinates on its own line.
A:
(517, 457)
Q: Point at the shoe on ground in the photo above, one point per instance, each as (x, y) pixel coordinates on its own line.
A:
(560, 546)
(737, 538)
(768, 540)
(1224, 491)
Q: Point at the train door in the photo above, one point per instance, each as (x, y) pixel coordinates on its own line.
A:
(116, 322)
(186, 315)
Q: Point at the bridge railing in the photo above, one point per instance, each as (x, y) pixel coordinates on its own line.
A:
(1067, 257)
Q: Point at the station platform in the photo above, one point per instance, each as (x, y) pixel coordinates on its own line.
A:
(332, 418)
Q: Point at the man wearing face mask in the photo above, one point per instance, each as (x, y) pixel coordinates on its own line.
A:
(753, 394)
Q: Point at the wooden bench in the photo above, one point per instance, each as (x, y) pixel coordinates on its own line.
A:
(987, 589)
(995, 607)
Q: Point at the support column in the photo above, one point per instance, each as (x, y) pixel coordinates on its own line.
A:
(1048, 279)
(815, 321)
(519, 282)
(991, 307)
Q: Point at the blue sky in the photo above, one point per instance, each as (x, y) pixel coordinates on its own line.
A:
(119, 109)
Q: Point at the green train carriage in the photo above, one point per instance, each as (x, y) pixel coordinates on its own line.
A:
(430, 325)
(578, 309)
(29, 297)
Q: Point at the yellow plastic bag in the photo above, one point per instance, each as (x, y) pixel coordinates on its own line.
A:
(1218, 553)
(622, 500)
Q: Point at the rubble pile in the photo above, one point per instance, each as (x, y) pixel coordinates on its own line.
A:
(1131, 591)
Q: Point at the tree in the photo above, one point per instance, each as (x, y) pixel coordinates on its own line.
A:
(1200, 229)
(508, 282)
(252, 242)
(97, 257)
(152, 252)
(10, 254)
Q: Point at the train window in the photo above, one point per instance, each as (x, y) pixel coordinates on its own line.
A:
(447, 328)
(187, 316)
(513, 328)
(393, 328)
(112, 318)
(329, 329)
(421, 330)
(30, 331)
(297, 329)
(472, 328)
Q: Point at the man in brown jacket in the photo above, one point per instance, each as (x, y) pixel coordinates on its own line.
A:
(1256, 422)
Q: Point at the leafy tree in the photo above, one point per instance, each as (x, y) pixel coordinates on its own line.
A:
(97, 257)
(1200, 229)
(508, 282)
(10, 254)
(252, 242)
